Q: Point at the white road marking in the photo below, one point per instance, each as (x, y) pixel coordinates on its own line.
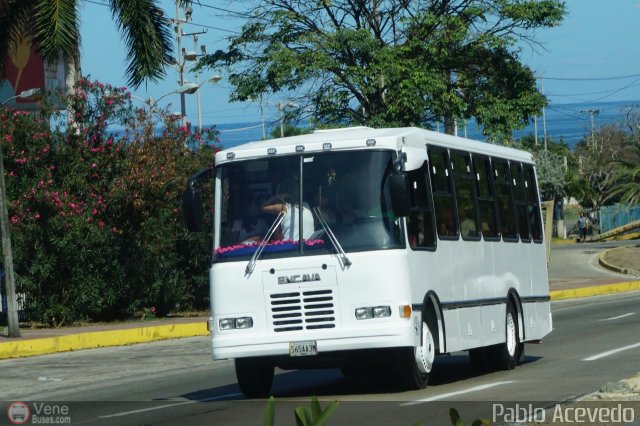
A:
(447, 395)
(619, 316)
(611, 352)
(143, 410)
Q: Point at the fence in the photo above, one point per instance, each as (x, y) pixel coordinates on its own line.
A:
(612, 217)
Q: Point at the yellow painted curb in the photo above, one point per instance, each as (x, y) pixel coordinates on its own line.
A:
(594, 291)
(99, 339)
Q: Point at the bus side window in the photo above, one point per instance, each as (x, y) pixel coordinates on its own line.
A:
(420, 224)
(465, 195)
(486, 198)
(504, 195)
(533, 203)
(442, 188)
(521, 202)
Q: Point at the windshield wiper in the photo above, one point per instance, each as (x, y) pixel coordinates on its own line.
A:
(254, 259)
(336, 244)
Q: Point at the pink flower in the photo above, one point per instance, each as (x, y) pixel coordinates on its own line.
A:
(94, 165)
(14, 219)
(37, 215)
(101, 224)
(94, 212)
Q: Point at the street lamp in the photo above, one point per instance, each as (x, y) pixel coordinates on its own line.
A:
(22, 95)
(282, 107)
(9, 282)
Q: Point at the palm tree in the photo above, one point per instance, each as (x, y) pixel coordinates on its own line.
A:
(624, 182)
(53, 27)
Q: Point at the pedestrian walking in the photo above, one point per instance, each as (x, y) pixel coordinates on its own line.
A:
(582, 227)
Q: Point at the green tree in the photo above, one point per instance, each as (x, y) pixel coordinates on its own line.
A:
(624, 182)
(53, 27)
(554, 166)
(393, 62)
(598, 155)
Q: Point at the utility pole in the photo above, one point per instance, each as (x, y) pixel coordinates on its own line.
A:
(180, 59)
(9, 277)
(193, 56)
(544, 119)
(592, 113)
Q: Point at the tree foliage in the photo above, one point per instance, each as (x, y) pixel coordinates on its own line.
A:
(553, 166)
(393, 62)
(598, 156)
(96, 217)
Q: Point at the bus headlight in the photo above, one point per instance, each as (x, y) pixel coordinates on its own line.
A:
(235, 323)
(364, 313)
(381, 311)
(373, 312)
(244, 322)
(226, 323)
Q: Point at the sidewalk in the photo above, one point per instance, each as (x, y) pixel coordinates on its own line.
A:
(625, 260)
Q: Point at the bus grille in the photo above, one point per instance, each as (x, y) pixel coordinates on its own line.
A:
(310, 310)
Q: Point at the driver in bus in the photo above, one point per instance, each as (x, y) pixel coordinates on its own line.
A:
(283, 201)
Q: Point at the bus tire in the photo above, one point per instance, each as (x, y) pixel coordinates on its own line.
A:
(255, 377)
(416, 364)
(505, 355)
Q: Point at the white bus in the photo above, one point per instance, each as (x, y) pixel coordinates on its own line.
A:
(373, 250)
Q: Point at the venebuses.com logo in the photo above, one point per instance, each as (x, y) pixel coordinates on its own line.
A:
(18, 413)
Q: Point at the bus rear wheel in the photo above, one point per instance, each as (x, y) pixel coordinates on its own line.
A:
(255, 377)
(504, 356)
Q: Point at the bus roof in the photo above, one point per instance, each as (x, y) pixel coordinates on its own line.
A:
(355, 138)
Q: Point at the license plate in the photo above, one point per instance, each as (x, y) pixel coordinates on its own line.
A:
(303, 348)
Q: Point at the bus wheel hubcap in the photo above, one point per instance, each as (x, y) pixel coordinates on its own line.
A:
(426, 353)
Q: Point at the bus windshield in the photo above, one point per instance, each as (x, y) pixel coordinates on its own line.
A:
(330, 202)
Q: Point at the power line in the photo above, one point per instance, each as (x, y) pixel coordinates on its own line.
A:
(620, 77)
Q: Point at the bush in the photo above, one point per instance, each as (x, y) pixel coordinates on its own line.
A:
(96, 217)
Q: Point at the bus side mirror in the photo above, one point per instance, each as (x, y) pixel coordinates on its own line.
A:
(400, 200)
(192, 202)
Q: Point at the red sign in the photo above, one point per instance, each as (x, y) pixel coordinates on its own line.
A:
(25, 69)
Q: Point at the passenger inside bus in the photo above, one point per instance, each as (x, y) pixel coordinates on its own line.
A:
(250, 227)
(284, 201)
(468, 223)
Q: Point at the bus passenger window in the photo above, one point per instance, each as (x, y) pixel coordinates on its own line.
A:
(443, 199)
(506, 208)
(464, 181)
(486, 198)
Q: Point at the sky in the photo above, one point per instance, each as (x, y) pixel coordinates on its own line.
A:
(593, 56)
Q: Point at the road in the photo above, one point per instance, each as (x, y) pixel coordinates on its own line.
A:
(576, 263)
(595, 341)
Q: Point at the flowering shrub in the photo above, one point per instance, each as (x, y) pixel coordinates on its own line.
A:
(148, 313)
(95, 216)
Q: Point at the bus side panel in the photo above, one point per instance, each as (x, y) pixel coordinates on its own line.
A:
(539, 273)
(512, 268)
(493, 324)
(537, 320)
(452, 329)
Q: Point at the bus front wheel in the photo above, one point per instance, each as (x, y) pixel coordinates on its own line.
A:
(255, 377)
(417, 363)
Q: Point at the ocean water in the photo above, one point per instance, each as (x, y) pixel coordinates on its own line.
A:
(569, 122)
